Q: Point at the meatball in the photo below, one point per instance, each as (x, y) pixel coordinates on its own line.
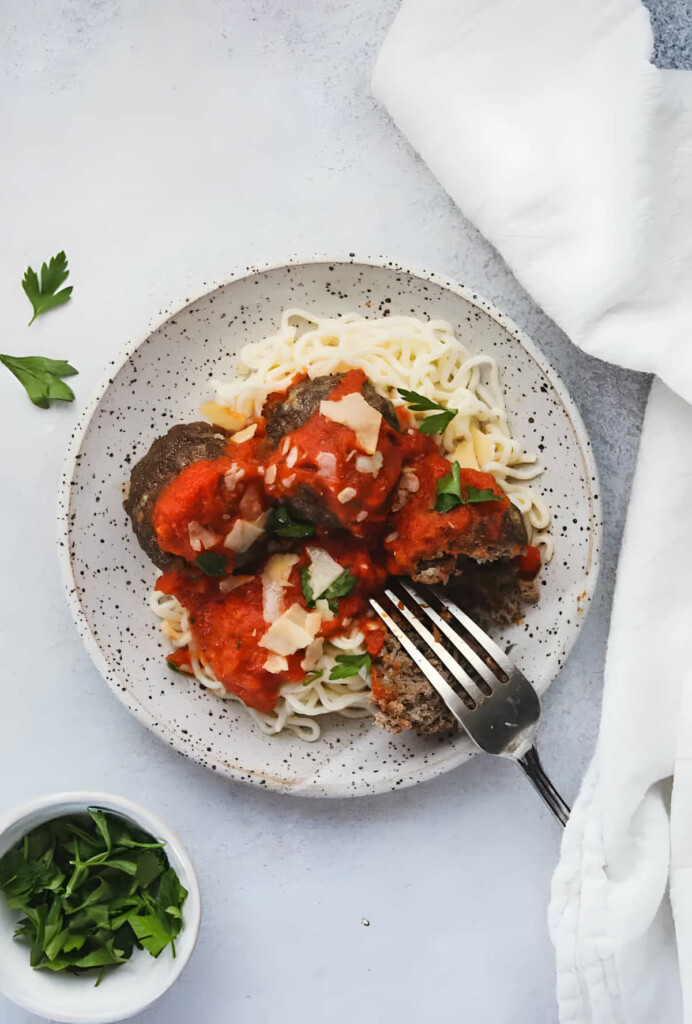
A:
(168, 456)
(339, 472)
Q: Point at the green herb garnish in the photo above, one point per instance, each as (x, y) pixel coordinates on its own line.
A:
(342, 585)
(91, 889)
(308, 592)
(45, 295)
(312, 676)
(509, 647)
(41, 378)
(449, 492)
(436, 424)
(175, 666)
(350, 665)
(211, 563)
(284, 523)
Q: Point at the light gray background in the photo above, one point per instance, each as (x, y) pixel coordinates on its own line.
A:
(164, 145)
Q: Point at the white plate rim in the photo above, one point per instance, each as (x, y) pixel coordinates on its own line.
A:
(113, 367)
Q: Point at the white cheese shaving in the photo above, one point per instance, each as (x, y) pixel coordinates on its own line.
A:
(370, 463)
(244, 534)
(274, 579)
(293, 631)
(313, 654)
(229, 583)
(275, 663)
(232, 476)
(292, 457)
(323, 571)
(322, 606)
(346, 495)
(201, 539)
(326, 464)
(362, 516)
(409, 480)
(278, 568)
(270, 474)
(354, 412)
(245, 434)
(483, 446)
(465, 455)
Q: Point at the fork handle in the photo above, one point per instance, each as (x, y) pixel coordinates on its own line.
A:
(531, 763)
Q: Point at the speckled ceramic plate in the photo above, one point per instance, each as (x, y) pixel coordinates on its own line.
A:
(162, 380)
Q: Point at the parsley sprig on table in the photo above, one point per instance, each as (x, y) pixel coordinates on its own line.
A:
(449, 493)
(41, 378)
(92, 888)
(436, 424)
(44, 295)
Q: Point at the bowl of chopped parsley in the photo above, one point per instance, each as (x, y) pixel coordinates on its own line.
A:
(99, 907)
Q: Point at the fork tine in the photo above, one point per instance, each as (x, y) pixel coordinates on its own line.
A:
(437, 681)
(495, 652)
(445, 657)
(464, 648)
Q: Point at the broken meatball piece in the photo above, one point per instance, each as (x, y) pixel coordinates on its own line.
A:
(338, 452)
(403, 695)
(428, 544)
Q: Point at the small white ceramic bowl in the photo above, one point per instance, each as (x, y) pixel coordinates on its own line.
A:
(129, 988)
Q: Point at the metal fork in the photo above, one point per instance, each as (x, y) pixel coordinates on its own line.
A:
(487, 694)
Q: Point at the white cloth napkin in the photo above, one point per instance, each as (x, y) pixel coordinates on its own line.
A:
(547, 124)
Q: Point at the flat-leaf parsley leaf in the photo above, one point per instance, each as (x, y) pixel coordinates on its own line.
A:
(350, 665)
(436, 424)
(449, 493)
(284, 523)
(41, 378)
(44, 295)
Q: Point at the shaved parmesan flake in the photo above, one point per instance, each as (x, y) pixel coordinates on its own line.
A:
(244, 534)
(322, 606)
(483, 446)
(409, 480)
(323, 571)
(346, 495)
(229, 583)
(370, 463)
(270, 475)
(274, 579)
(278, 568)
(201, 539)
(293, 631)
(222, 416)
(313, 654)
(246, 434)
(362, 516)
(354, 412)
(272, 600)
(233, 476)
(292, 457)
(465, 455)
(326, 464)
(275, 663)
